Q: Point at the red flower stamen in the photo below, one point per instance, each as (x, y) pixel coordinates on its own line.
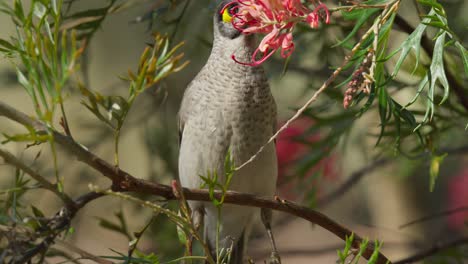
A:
(255, 62)
(276, 19)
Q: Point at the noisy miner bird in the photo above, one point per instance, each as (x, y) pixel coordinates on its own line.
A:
(228, 109)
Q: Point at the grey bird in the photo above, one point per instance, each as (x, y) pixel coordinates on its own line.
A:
(228, 107)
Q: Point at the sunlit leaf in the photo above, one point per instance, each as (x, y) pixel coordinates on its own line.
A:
(431, 3)
(39, 10)
(436, 160)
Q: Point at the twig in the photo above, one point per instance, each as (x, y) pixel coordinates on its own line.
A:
(455, 151)
(351, 181)
(57, 224)
(11, 159)
(124, 182)
(435, 216)
(354, 178)
(84, 254)
(433, 250)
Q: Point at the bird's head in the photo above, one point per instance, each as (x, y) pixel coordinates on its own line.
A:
(223, 20)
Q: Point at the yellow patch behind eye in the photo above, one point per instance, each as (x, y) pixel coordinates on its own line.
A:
(227, 18)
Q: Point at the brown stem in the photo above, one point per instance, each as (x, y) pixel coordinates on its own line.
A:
(124, 182)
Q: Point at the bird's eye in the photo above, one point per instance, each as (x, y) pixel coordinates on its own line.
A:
(228, 12)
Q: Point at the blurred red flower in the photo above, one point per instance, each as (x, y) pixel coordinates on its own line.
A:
(292, 146)
(458, 197)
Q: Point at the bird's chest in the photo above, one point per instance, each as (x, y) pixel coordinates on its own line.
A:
(249, 123)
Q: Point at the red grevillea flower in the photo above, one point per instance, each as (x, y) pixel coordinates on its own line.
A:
(276, 19)
(291, 145)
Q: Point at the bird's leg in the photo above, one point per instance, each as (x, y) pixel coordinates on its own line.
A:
(266, 215)
(197, 220)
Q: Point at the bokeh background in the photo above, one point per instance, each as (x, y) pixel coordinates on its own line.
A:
(388, 196)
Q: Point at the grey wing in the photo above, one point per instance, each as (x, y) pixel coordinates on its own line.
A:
(181, 123)
(184, 111)
(183, 115)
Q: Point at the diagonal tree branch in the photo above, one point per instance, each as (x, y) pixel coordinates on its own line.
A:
(357, 176)
(124, 182)
(435, 216)
(352, 180)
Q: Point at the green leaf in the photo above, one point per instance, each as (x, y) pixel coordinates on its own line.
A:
(37, 212)
(363, 16)
(431, 3)
(413, 42)
(437, 69)
(343, 255)
(383, 112)
(438, 24)
(53, 3)
(39, 10)
(97, 12)
(375, 254)
(421, 87)
(434, 169)
(24, 81)
(18, 10)
(119, 228)
(181, 235)
(464, 55)
(7, 45)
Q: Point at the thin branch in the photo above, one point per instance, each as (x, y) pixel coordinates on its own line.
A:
(351, 181)
(435, 216)
(11, 159)
(124, 182)
(57, 224)
(357, 176)
(434, 250)
(84, 254)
